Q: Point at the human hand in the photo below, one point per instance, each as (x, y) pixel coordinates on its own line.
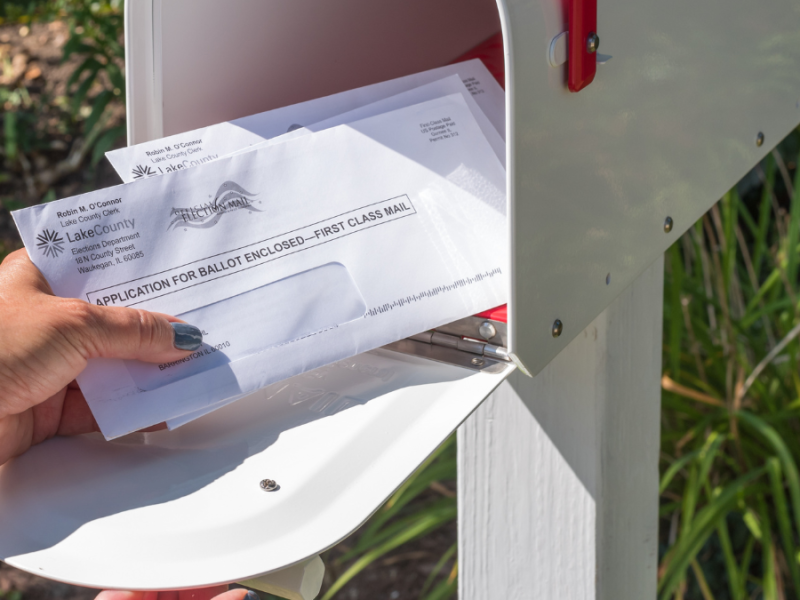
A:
(212, 593)
(45, 341)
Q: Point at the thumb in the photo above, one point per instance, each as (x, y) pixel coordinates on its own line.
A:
(116, 332)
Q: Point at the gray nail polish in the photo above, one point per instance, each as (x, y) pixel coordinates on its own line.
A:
(187, 337)
(251, 595)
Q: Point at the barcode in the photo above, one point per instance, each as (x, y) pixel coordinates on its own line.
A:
(433, 292)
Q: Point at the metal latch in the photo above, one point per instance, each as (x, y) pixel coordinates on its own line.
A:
(438, 338)
(454, 349)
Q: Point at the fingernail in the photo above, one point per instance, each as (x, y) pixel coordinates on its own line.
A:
(251, 595)
(187, 337)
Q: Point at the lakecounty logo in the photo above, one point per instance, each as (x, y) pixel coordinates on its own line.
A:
(50, 243)
(140, 171)
(230, 197)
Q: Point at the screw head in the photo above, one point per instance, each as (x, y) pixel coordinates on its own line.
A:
(478, 361)
(760, 139)
(558, 327)
(487, 331)
(592, 43)
(268, 485)
(668, 224)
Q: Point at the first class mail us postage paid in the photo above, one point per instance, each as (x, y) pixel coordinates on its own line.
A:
(289, 257)
(200, 146)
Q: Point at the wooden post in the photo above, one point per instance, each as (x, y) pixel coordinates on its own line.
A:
(558, 475)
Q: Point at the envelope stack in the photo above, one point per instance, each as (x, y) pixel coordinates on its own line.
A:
(293, 238)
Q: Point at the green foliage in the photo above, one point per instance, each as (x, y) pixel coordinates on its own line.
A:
(27, 11)
(96, 36)
(39, 124)
(411, 513)
(11, 595)
(731, 403)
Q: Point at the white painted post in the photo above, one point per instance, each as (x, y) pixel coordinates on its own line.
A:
(558, 475)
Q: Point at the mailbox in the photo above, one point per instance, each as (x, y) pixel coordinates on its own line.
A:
(606, 167)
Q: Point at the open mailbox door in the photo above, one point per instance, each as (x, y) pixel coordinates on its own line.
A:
(600, 182)
(185, 508)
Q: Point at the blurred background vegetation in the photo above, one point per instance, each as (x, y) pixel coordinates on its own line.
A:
(730, 490)
(730, 485)
(62, 91)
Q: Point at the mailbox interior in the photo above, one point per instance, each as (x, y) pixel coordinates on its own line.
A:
(205, 61)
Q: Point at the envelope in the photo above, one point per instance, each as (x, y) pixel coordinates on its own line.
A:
(436, 89)
(289, 257)
(429, 91)
(200, 146)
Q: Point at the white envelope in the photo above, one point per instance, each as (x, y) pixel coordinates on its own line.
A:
(429, 91)
(200, 146)
(423, 93)
(289, 257)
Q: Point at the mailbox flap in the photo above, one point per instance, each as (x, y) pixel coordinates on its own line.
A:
(670, 122)
(185, 508)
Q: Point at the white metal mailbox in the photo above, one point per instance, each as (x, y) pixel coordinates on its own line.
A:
(600, 182)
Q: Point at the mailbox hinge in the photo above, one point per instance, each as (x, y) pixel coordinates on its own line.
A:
(455, 350)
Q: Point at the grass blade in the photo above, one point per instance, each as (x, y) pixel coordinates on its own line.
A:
(764, 212)
(769, 580)
(422, 526)
(735, 579)
(783, 519)
(744, 568)
(446, 588)
(438, 567)
(673, 469)
(701, 581)
(787, 462)
(704, 524)
(675, 265)
(793, 235)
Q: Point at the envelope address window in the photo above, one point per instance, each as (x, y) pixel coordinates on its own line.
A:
(297, 306)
